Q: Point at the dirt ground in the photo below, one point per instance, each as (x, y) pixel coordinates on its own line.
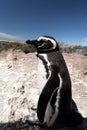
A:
(19, 87)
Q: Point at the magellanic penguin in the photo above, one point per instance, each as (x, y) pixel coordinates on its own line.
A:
(55, 100)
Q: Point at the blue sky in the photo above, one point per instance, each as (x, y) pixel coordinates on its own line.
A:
(65, 20)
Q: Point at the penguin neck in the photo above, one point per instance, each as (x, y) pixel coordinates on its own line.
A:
(43, 71)
(44, 60)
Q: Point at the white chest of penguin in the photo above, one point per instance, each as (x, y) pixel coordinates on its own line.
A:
(43, 71)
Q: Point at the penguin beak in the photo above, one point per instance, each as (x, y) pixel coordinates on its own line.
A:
(33, 42)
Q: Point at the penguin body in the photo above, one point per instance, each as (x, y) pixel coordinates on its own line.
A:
(56, 93)
(55, 100)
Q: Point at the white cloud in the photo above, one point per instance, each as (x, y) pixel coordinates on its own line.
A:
(7, 36)
(85, 39)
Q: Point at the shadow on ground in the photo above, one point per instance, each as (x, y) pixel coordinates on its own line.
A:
(19, 125)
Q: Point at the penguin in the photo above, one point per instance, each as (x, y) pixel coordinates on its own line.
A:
(55, 93)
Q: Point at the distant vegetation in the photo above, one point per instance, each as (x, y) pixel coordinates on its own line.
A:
(6, 45)
(73, 49)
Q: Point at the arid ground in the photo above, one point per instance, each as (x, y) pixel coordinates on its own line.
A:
(19, 87)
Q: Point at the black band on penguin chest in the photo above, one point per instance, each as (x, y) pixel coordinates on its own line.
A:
(45, 64)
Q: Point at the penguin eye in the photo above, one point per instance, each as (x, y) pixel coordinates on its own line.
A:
(41, 41)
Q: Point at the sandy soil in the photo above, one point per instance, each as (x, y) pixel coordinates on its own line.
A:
(19, 87)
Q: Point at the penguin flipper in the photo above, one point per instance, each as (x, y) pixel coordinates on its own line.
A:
(45, 96)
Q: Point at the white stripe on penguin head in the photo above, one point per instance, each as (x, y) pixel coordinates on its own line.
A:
(47, 38)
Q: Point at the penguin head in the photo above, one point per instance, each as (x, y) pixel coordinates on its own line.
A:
(44, 44)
